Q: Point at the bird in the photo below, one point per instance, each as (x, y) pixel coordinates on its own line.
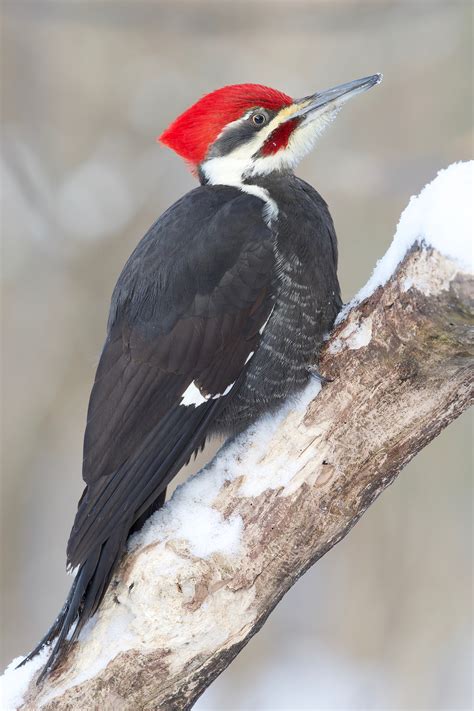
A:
(216, 319)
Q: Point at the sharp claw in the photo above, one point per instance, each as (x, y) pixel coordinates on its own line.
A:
(314, 372)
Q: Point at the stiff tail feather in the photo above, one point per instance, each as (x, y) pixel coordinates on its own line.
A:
(95, 573)
(84, 597)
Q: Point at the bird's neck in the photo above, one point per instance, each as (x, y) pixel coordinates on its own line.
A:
(223, 170)
(236, 173)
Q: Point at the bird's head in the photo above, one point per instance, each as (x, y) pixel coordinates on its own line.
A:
(246, 130)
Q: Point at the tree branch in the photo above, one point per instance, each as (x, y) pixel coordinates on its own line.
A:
(401, 370)
(206, 571)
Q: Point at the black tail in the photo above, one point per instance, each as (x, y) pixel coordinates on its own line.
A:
(144, 490)
(85, 596)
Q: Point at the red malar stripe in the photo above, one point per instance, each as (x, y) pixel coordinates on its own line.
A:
(279, 137)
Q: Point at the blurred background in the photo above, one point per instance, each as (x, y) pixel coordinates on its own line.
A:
(384, 621)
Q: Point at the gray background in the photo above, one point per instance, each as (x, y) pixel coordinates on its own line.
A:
(385, 620)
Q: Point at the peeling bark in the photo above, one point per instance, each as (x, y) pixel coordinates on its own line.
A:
(401, 370)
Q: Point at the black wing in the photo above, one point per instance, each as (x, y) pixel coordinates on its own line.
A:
(185, 315)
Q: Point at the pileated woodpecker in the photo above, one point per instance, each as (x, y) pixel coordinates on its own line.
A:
(215, 318)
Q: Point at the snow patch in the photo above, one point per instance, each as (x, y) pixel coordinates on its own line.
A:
(441, 217)
(246, 453)
(190, 515)
(101, 650)
(14, 682)
(354, 336)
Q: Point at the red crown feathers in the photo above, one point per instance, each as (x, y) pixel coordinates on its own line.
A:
(191, 134)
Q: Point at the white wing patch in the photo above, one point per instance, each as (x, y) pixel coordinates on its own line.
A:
(261, 330)
(192, 395)
(228, 389)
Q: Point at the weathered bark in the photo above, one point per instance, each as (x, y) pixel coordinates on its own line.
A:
(401, 370)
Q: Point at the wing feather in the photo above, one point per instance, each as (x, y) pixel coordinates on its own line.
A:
(187, 308)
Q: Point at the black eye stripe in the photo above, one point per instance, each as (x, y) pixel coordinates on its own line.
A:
(240, 133)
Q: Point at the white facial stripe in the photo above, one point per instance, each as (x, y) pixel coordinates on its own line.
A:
(229, 169)
(240, 163)
(300, 144)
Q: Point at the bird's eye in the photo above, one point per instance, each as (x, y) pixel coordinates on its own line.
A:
(259, 119)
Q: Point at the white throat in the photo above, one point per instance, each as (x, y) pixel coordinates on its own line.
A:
(229, 170)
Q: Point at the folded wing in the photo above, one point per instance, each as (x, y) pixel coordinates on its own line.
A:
(185, 316)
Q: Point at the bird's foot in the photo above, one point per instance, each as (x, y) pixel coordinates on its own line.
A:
(314, 372)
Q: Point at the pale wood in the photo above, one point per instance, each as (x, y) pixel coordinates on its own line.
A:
(401, 365)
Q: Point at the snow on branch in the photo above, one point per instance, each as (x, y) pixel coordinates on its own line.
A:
(204, 573)
(440, 217)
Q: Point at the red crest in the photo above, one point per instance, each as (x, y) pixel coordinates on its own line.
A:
(191, 134)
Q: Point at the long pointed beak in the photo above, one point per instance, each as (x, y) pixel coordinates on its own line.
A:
(337, 95)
